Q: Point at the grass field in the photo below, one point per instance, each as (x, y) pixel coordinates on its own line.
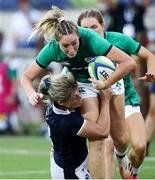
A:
(27, 157)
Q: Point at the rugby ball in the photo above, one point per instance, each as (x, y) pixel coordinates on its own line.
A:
(100, 67)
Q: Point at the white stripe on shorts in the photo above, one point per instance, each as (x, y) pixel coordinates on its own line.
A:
(129, 110)
(87, 90)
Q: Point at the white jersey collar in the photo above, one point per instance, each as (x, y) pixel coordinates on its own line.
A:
(60, 111)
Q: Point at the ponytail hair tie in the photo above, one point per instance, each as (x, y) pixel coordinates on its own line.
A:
(47, 83)
(60, 19)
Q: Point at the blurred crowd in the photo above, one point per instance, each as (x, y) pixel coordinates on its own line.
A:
(132, 17)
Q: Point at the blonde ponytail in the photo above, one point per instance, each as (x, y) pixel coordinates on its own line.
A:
(48, 24)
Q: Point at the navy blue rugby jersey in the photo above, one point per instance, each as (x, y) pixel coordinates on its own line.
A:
(70, 150)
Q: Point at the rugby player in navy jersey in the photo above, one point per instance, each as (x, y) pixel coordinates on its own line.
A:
(68, 129)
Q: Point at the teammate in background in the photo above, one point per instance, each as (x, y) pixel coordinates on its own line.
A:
(68, 129)
(94, 20)
(8, 100)
(150, 118)
(72, 45)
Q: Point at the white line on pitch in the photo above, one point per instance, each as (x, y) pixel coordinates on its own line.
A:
(151, 158)
(148, 167)
(24, 172)
(24, 152)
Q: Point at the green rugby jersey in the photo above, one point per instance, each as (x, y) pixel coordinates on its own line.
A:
(91, 44)
(129, 46)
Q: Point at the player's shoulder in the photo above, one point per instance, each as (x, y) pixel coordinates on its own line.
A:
(51, 43)
(51, 49)
(113, 33)
(82, 29)
(86, 32)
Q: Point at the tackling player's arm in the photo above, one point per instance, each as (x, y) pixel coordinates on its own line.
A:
(101, 128)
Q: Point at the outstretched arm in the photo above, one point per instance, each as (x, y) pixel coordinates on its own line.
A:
(146, 55)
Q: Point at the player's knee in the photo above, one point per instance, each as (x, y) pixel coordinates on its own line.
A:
(122, 143)
(140, 149)
(123, 139)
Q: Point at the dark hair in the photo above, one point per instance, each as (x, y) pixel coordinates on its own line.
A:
(90, 13)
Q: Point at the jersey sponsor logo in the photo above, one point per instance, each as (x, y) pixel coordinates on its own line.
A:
(66, 63)
(79, 68)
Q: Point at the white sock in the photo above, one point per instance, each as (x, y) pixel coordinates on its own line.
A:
(124, 161)
(122, 158)
(135, 170)
(119, 154)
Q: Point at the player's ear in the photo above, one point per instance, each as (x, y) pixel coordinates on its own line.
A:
(61, 103)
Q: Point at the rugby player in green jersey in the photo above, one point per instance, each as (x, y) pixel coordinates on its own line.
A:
(93, 19)
(72, 45)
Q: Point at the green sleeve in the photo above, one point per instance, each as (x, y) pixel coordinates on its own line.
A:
(99, 45)
(44, 57)
(132, 45)
(95, 43)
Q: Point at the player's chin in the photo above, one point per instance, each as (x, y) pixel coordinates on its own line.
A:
(71, 55)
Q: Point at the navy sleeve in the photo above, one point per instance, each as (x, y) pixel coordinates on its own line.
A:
(71, 124)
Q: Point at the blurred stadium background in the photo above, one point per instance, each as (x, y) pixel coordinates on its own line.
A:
(25, 148)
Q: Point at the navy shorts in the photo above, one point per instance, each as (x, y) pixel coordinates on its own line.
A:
(152, 88)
